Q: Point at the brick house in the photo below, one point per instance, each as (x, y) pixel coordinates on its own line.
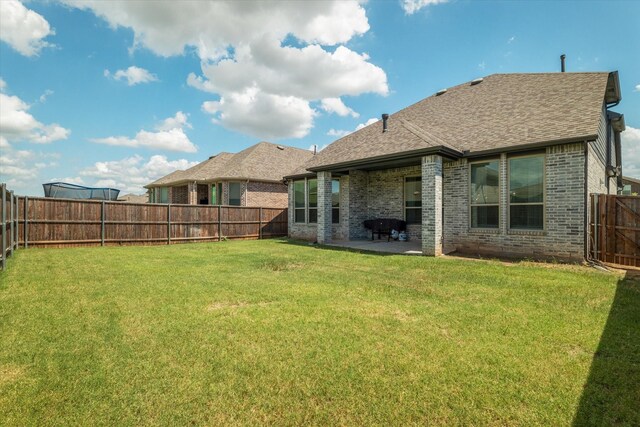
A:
(498, 166)
(252, 177)
(630, 186)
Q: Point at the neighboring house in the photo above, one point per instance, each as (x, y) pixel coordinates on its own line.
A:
(135, 198)
(252, 177)
(502, 165)
(630, 186)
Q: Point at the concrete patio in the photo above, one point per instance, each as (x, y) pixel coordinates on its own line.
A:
(412, 247)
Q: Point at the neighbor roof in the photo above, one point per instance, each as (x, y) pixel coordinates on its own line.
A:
(260, 162)
(500, 111)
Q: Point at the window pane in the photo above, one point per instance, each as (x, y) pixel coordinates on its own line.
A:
(298, 194)
(413, 192)
(335, 216)
(313, 216)
(164, 195)
(413, 216)
(299, 215)
(526, 179)
(527, 217)
(234, 194)
(484, 183)
(484, 216)
(335, 193)
(313, 193)
(214, 195)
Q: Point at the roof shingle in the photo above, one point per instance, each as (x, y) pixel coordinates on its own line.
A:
(504, 110)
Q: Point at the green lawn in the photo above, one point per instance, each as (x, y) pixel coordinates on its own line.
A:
(270, 332)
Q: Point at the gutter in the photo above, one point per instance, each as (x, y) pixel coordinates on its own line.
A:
(405, 155)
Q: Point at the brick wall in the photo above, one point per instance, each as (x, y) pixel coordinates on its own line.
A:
(266, 194)
(563, 237)
(179, 194)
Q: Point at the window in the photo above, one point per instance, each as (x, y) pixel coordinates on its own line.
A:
(335, 201)
(413, 199)
(312, 200)
(526, 192)
(235, 194)
(485, 194)
(216, 194)
(298, 201)
(162, 195)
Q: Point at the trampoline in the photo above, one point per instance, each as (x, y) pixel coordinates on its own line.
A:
(64, 190)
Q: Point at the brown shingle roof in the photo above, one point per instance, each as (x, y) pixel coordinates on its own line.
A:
(260, 162)
(502, 111)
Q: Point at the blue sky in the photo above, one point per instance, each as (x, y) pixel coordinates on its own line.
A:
(120, 93)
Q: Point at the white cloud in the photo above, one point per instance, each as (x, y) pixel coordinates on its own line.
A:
(22, 28)
(178, 121)
(130, 174)
(340, 133)
(3, 84)
(412, 6)
(637, 89)
(133, 75)
(169, 135)
(631, 152)
(335, 105)
(244, 60)
(43, 98)
(16, 124)
(263, 115)
(511, 39)
(20, 166)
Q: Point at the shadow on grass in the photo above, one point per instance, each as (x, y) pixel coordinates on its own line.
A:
(611, 396)
(338, 248)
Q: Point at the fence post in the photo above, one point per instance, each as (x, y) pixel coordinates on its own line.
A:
(11, 236)
(26, 227)
(168, 223)
(15, 222)
(102, 224)
(260, 225)
(219, 223)
(4, 226)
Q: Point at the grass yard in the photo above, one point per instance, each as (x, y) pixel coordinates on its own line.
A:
(270, 332)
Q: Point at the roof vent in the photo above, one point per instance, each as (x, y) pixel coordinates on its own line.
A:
(280, 147)
(440, 92)
(385, 117)
(211, 157)
(476, 81)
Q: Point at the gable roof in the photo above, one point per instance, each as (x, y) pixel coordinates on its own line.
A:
(263, 161)
(500, 111)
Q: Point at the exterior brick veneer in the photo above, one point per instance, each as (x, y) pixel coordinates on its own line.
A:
(432, 205)
(380, 193)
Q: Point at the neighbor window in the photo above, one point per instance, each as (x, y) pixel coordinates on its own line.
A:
(216, 193)
(413, 199)
(162, 195)
(484, 194)
(526, 192)
(235, 194)
(312, 199)
(298, 201)
(335, 201)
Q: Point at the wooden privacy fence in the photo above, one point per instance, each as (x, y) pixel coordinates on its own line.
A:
(615, 229)
(65, 222)
(8, 229)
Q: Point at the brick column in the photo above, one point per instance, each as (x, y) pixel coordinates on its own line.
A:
(324, 207)
(192, 193)
(432, 205)
(358, 209)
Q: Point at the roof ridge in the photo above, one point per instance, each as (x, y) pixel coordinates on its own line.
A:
(425, 135)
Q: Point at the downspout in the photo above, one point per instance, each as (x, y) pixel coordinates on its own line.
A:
(586, 201)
